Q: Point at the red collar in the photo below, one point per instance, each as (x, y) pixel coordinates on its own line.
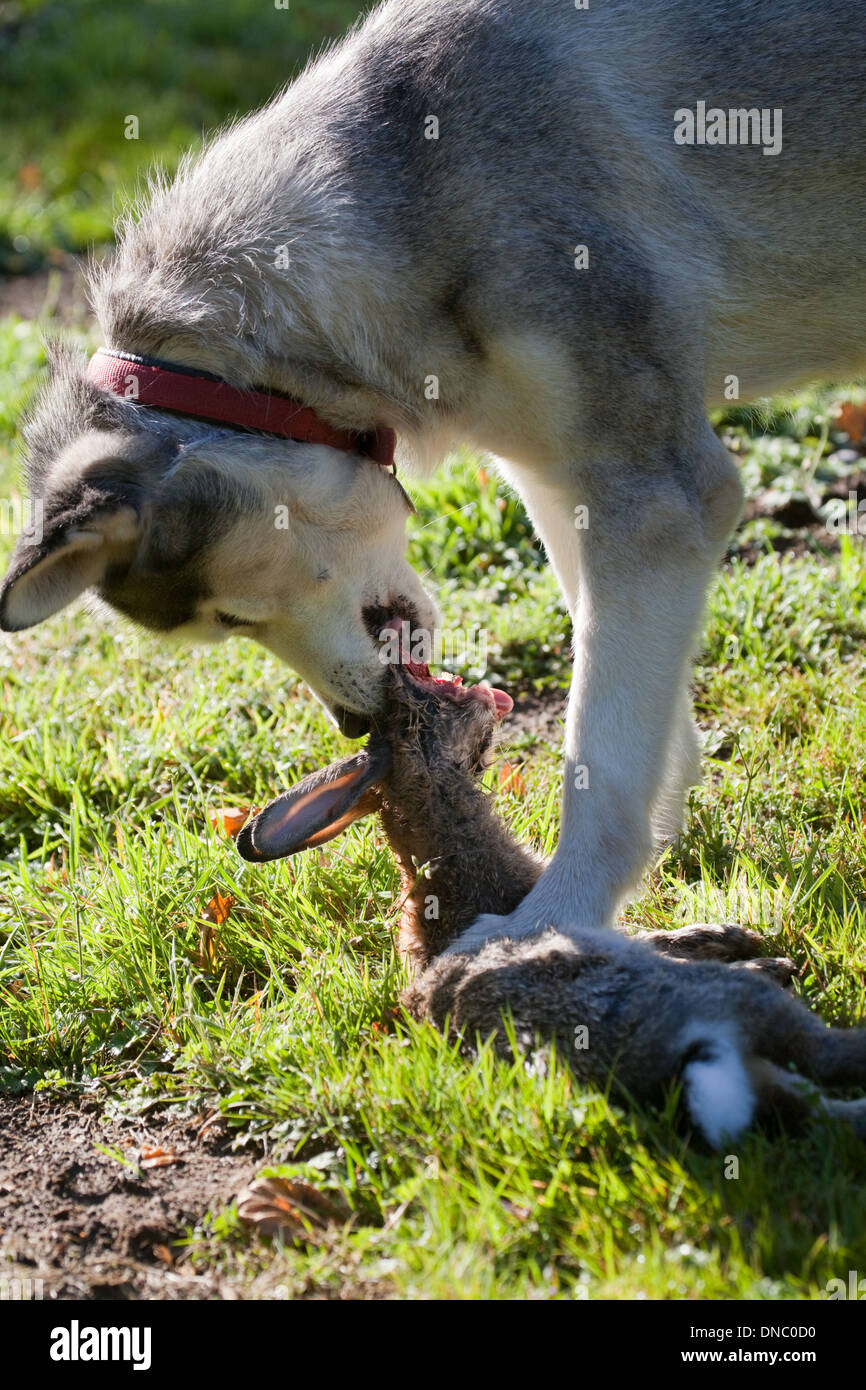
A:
(169, 386)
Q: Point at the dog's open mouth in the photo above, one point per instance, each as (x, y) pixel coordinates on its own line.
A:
(452, 688)
(395, 630)
(398, 633)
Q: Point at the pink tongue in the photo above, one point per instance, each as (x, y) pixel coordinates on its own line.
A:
(502, 702)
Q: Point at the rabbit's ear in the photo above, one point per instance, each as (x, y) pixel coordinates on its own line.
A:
(318, 808)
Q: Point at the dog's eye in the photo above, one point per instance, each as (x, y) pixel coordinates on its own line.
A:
(227, 620)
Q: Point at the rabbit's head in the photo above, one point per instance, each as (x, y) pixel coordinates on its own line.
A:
(435, 735)
(431, 742)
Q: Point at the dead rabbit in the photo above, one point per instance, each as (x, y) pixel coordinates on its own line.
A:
(696, 1005)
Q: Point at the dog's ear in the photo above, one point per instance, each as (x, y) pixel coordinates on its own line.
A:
(88, 522)
(317, 808)
(48, 571)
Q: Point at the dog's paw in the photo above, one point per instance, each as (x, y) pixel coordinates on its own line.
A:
(487, 927)
(524, 922)
(555, 903)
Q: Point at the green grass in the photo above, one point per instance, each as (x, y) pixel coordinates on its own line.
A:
(469, 1179)
(465, 1179)
(72, 74)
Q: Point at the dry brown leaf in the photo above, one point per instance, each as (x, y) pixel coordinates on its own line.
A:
(208, 947)
(380, 1027)
(852, 419)
(286, 1207)
(218, 909)
(511, 779)
(215, 915)
(229, 819)
(29, 176)
(152, 1156)
(163, 1253)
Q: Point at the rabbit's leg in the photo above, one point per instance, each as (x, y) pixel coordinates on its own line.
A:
(780, 969)
(783, 1030)
(795, 1100)
(834, 1056)
(852, 1112)
(705, 941)
(726, 943)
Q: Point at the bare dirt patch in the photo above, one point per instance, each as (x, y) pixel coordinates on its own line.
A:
(539, 718)
(95, 1224)
(57, 294)
(799, 529)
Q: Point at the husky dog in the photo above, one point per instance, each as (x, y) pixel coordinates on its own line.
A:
(554, 233)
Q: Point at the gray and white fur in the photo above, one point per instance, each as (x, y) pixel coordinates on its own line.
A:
(393, 241)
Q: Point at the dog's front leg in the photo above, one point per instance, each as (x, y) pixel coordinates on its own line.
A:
(636, 569)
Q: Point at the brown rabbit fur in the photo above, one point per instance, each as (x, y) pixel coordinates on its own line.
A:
(615, 1006)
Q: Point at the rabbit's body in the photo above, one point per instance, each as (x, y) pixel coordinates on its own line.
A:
(615, 1008)
(643, 1012)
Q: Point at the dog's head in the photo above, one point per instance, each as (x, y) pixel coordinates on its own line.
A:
(198, 531)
